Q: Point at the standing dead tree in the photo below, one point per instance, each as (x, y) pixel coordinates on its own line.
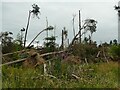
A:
(35, 12)
(64, 38)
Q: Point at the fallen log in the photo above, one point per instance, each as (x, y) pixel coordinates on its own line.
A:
(14, 52)
(20, 60)
(51, 53)
(8, 63)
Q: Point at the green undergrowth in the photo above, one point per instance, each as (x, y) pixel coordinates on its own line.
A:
(99, 75)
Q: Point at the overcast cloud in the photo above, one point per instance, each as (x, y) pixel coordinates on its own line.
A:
(59, 14)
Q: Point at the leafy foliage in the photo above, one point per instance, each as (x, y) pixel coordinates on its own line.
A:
(88, 51)
(114, 51)
(52, 38)
(6, 42)
(35, 10)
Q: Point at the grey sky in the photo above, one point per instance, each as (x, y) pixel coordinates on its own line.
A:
(14, 17)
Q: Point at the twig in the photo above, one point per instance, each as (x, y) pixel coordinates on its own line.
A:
(52, 76)
(45, 70)
(49, 76)
(75, 76)
(86, 61)
(98, 54)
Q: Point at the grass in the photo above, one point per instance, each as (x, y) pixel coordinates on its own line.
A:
(99, 75)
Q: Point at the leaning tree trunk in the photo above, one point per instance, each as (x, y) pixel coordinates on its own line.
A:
(76, 37)
(35, 37)
(27, 28)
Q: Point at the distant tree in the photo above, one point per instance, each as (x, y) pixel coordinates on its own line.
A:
(115, 41)
(6, 38)
(111, 42)
(86, 40)
(105, 44)
(37, 42)
(6, 41)
(35, 12)
(50, 46)
(18, 39)
(114, 52)
(18, 43)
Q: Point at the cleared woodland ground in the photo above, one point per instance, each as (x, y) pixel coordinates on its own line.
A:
(99, 75)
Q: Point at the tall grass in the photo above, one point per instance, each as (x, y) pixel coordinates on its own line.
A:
(101, 75)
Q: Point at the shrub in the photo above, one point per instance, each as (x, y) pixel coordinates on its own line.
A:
(114, 52)
(88, 51)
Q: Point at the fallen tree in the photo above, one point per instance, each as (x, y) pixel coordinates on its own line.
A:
(21, 60)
